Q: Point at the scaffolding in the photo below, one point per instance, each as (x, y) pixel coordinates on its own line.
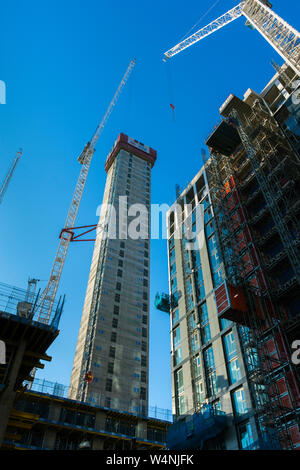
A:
(256, 186)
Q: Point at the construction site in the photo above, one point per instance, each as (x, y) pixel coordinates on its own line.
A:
(233, 300)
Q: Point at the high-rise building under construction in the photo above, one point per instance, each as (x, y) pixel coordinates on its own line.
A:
(235, 298)
(111, 359)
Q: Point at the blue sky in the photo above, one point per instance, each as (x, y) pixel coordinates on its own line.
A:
(62, 62)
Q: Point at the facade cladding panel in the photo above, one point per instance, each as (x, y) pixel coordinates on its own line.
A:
(113, 340)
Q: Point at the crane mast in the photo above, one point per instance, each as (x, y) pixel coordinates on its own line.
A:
(280, 35)
(84, 159)
(9, 175)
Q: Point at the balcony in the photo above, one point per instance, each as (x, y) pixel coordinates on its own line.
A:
(247, 199)
(271, 262)
(224, 139)
(259, 215)
(262, 239)
(192, 432)
(279, 290)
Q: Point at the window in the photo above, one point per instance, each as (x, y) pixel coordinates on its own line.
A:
(143, 393)
(204, 323)
(239, 400)
(112, 351)
(122, 245)
(119, 273)
(192, 321)
(145, 319)
(116, 309)
(245, 435)
(176, 337)
(200, 285)
(145, 296)
(196, 367)
(231, 358)
(224, 323)
(179, 381)
(179, 390)
(121, 253)
(113, 337)
(144, 332)
(200, 393)
(143, 376)
(115, 323)
(172, 256)
(110, 368)
(117, 298)
(173, 269)
(177, 356)
(175, 316)
(144, 361)
(118, 286)
(120, 263)
(144, 346)
(209, 229)
(108, 386)
(171, 243)
(145, 282)
(195, 342)
(145, 308)
(209, 363)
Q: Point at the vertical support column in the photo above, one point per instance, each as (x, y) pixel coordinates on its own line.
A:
(8, 395)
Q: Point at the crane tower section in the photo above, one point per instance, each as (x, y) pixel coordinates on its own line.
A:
(9, 175)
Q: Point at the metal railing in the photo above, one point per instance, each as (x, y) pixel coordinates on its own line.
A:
(25, 304)
(126, 406)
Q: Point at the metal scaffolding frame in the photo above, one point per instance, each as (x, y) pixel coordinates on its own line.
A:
(262, 145)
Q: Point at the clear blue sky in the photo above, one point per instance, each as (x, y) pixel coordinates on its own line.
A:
(62, 61)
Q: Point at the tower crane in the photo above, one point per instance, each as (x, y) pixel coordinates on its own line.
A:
(9, 175)
(48, 295)
(279, 34)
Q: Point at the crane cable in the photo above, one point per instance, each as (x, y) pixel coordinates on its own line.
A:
(169, 74)
(200, 19)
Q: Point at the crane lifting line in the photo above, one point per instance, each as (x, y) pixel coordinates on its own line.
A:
(200, 19)
(48, 295)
